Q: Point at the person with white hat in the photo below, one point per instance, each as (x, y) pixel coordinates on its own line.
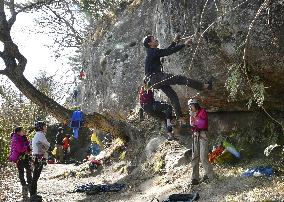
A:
(199, 125)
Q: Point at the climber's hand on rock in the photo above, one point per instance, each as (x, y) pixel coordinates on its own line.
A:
(177, 38)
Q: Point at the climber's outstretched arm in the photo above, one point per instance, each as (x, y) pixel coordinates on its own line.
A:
(167, 51)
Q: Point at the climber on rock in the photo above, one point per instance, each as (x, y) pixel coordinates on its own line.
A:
(157, 109)
(157, 79)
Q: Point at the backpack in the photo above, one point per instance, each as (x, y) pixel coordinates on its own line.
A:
(146, 96)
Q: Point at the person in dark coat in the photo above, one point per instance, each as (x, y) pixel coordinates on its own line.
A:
(156, 78)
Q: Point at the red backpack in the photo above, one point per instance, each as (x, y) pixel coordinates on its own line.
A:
(146, 96)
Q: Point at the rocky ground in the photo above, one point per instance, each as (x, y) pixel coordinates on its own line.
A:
(166, 172)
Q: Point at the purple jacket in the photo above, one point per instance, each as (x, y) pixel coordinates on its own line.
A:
(19, 145)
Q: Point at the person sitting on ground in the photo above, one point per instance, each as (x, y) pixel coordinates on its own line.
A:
(157, 109)
(199, 124)
(158, 79)
(66, 148)
(20, 154)
(59, 145)
(40, 146)
(96, 144)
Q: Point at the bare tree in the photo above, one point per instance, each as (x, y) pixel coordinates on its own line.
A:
(15, 63)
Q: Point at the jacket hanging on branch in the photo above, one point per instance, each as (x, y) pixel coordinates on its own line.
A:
(77, 121)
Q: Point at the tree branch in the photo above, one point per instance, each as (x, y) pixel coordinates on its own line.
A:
(36, 5)
(3, 72)
(2, 6)
(12, 52)
(77, 37)
(12, 20)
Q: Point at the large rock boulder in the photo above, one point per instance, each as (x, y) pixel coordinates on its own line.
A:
(114, 55)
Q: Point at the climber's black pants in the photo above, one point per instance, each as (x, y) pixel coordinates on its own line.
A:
(22, 165)
(38, 165)
(164, 81)
(160, 110)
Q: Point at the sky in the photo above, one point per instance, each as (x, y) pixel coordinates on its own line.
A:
(33, 46)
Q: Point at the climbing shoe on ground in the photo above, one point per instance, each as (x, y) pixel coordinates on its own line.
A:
(194, 182)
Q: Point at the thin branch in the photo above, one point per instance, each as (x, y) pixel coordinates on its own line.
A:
(272, 118)
(2, 6)
(78, 38)
(12, 20)
(37, 5)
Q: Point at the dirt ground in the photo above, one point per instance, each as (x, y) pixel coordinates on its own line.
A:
(228, 184)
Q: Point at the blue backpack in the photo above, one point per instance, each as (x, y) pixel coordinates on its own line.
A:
(76, 122)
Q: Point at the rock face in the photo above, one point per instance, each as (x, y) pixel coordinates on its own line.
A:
(114, 54)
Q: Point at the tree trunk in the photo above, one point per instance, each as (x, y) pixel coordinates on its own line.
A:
(15, 64)
(117, 128)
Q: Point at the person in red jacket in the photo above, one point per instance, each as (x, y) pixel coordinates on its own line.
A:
(158, 79)
(19, 153)
(199, 125)
(66, 147)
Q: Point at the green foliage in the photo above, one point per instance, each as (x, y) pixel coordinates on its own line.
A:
(258, 90)
(4, 141)
(253, 139)
(14, 112)
(46, 85)
(233, 81)
(235, 85)
(17, 110)
(98, 9)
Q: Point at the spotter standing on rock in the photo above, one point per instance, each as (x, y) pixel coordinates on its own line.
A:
(158, 79)
(199, 124)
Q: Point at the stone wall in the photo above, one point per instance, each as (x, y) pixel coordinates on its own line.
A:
(114, 54)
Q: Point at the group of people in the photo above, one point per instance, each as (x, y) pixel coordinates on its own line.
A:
(97, 145)
(156, 78)
(62, 146)
(28, 155)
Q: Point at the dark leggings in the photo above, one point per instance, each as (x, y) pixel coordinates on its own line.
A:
(164, 81)
(22, 164)
(160, 110)
(36, 174)
(66, 155)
